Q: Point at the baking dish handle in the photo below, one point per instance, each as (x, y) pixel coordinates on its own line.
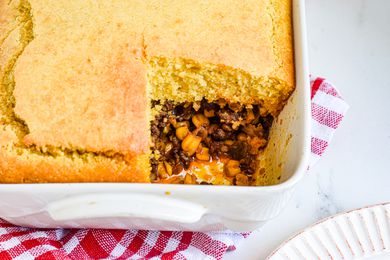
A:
(92, 206)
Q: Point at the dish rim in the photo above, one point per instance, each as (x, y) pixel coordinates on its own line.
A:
(302, 80)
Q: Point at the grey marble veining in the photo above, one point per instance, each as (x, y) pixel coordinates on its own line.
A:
(327, 204)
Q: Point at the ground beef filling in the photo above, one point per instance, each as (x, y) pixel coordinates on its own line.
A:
(205, 131)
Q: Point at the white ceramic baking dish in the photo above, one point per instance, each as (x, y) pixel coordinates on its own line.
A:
(180, 207)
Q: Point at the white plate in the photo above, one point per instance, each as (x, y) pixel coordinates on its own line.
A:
(359, 234)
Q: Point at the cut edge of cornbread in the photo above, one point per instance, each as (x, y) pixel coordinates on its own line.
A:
(185, 80)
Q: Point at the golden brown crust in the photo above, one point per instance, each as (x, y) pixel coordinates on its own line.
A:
(80, 83)
(33, 168)
(96, 113)
(20, 165)
(281, 13)
(240, 34)
(84, 82)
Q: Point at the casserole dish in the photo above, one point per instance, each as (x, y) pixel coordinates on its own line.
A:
(180, 207)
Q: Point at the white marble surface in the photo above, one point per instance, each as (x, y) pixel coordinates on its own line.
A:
(349, 43)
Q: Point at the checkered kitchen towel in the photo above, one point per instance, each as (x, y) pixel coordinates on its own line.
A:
(328, 109)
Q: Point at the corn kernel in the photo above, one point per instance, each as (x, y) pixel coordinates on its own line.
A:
(236, 125)
(203, 154)
(221, 102)
(257, 143)
(182, 132)
(200, 120)
(196, 105)
(177, 169)
(241, 137)
(168, 147)
(172, 121)
(166, 129)
(162, 172)
(191, 143)
(250, 116)
(168, 168)
(153, 177)
(199, 149)
(232, 168)
(242, 180)
(173, 180)
(235, 107)
(263, 111)
(189, 179)
(182, 123)
(209, 113)
(229, 142)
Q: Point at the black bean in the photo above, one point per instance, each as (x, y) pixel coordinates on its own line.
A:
(244, 166)
(187, 113)
(238, 150)
(214, 120)
(246, 162)
(266, 122)
(255, 110)
(178, 110)
(249, 171)
(209, 106)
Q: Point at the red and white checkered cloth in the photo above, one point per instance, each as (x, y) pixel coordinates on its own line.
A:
(328, 109)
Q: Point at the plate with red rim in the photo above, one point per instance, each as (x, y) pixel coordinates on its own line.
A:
(358, 234)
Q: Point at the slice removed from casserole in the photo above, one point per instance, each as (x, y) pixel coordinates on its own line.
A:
(141, 91)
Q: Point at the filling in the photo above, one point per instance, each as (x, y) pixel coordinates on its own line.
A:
(207, 142)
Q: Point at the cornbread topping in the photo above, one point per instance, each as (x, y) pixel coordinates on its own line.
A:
(145, 91)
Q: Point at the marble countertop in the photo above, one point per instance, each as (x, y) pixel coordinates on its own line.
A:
(349, 44)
